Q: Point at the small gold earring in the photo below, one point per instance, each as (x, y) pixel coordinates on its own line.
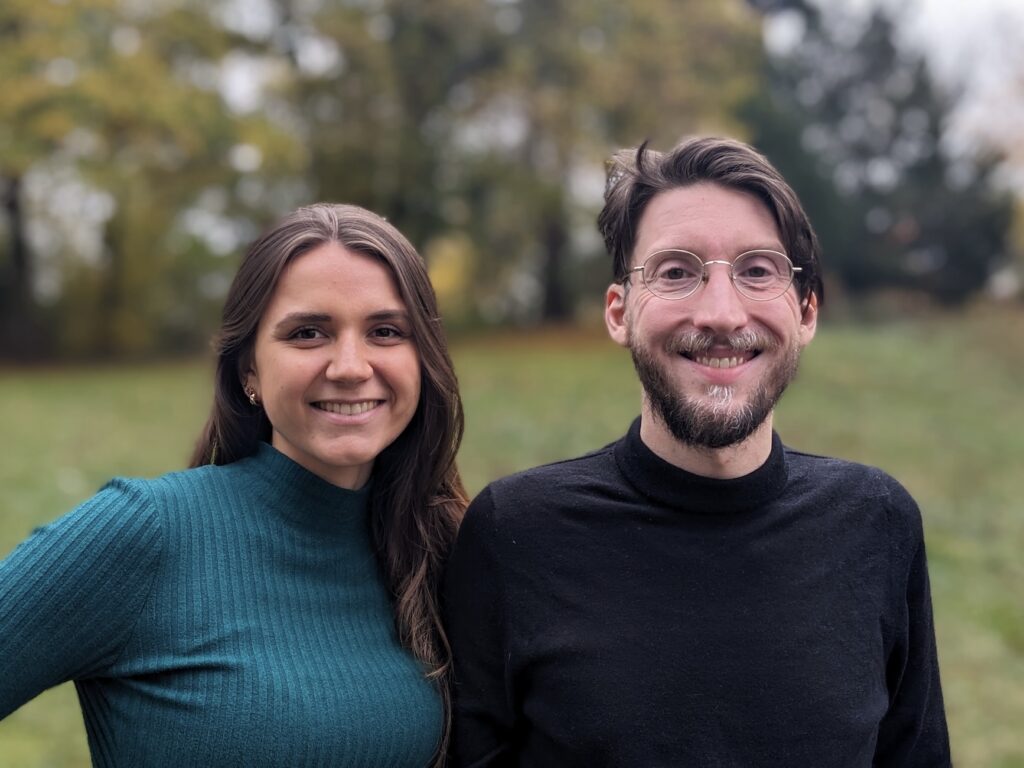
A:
(252, 396)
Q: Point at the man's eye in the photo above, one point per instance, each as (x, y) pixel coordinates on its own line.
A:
(675, 272)
(755, 272)
(760, 272)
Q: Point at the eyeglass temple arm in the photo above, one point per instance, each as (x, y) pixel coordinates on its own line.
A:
(625, 278)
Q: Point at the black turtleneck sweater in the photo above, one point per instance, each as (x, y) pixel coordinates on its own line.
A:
(615, 610)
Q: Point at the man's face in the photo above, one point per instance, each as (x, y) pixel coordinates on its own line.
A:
(713, 364)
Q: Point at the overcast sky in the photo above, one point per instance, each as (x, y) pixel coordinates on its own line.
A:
(976, 50)
(974, 39)
(979, 44)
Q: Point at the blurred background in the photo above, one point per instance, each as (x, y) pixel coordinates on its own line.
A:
(144, 144)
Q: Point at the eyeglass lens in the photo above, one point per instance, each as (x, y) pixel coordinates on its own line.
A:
(758, 275)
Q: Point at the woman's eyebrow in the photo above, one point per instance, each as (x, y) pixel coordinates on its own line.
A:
(389, 314)
(300, 318)
(297, 318)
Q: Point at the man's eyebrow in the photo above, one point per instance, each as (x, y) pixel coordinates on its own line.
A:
(775, 246)
(764, 246)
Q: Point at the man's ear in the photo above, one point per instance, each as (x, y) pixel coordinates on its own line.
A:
(615, 313)
(808, 319)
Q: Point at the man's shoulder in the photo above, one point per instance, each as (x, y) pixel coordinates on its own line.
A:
(561, 474)
(820, 465)
(523, 510)
(849, 480)
(539, 490)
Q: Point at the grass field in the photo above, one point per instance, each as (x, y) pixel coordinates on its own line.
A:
(936, 403)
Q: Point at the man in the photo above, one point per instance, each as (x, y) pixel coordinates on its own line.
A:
(697, 594)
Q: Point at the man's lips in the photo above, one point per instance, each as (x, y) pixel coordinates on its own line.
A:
(721, 351)
(722, 362)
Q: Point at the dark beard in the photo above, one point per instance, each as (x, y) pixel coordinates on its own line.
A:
(703, 424)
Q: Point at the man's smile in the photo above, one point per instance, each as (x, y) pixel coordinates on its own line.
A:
(721, 362)
(721, 352)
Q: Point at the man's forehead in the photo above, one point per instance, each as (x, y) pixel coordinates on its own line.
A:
(706, 216)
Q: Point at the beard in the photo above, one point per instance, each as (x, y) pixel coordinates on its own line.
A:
(714, 420)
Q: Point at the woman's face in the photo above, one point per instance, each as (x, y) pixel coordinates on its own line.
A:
(334, 363)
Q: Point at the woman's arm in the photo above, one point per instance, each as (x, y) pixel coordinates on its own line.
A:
(71, 592)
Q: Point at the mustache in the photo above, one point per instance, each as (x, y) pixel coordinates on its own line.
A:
(696, 342)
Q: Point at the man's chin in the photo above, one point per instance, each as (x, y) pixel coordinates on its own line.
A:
(714, 432)
(718, 417)
(712, 416)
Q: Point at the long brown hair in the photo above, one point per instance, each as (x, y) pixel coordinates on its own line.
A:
(417, 499)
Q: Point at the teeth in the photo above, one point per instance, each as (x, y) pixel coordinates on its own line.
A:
(348, 409)
(720, 362)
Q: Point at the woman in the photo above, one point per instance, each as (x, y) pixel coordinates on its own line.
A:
(276, 604)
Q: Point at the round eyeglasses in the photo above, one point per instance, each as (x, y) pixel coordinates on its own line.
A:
(759, 275)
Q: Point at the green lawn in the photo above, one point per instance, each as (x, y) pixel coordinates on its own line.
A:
(935, 403)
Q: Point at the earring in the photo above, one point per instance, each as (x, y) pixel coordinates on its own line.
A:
(252, 396)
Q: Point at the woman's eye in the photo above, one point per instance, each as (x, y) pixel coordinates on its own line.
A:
(387, 333)
(307, 334)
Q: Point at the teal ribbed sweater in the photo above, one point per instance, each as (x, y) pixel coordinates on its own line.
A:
(221, 616)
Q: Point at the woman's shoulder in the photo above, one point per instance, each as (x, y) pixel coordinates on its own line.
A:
(188, 486)
(123, 510)
(124, 505)
(112, 539)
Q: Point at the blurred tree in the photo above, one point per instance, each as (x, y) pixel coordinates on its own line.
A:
(140, 142)
(123, 99)
(461, 117)
(856, 123)
(573, 82)
(370, 91)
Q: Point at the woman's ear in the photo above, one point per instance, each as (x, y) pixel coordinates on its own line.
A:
(247, 375)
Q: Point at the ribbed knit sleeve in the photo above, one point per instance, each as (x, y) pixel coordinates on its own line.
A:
(71, 593)
(219, 616)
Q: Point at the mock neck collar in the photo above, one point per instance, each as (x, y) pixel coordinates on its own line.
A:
(669, 485)
(305, 498)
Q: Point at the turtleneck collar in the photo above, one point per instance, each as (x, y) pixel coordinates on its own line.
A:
(669, 485)
(306, 498)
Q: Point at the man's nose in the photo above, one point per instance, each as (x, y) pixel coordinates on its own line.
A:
(718, 306)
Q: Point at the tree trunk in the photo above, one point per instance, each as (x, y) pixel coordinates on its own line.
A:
(557, 304)
(18, 331)
(111, 294)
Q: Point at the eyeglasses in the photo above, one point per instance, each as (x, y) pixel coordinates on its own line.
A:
(758, 275)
